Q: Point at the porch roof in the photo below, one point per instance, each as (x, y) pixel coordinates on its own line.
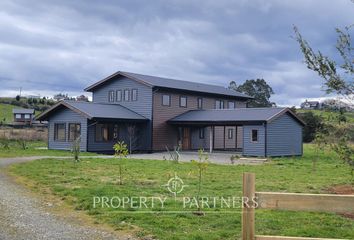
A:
(232, 116)
(94, 110)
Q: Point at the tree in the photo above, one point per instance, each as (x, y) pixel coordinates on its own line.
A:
(313, 125)
(258, 89)
(18, 98)
(338, 77)
(121, 151)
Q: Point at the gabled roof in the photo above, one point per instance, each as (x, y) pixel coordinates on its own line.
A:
(94, 110)
(214, 116)
(153, 81)
(22, 111)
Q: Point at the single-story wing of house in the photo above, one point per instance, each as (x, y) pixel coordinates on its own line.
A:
(152, 113)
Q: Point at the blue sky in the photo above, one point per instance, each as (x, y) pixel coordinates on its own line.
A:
(48, 47)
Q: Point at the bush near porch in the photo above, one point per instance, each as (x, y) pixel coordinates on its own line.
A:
(92, 177)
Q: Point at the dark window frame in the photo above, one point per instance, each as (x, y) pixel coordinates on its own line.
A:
(69, 131)
(230, 133)
(110, 136)
(56, 132)
(136, 95)
(257, 135)
(169, 100)
(201, 133)
(111, 94)
(180, 101)
(121, 95)
(200, 106)
(124, 95)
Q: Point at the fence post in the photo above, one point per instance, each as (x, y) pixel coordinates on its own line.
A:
(248, 218)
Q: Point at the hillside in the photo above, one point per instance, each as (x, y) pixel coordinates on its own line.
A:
(329, 116)
(6, 113)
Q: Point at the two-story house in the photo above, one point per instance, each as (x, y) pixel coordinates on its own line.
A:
(152, 113)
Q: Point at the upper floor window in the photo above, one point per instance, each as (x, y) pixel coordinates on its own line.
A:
(134, 94)
(111, 96)
(119, 95)
(231, 105)
(230, 133)
(74, 131)
(183, 101)
(200, 103)
(126, 95)
(166, 100)
(59, 132)
(254, 137)
(219, 104)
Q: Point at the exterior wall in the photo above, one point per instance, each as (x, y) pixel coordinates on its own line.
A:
(143, 105)
(239, 137)
(253, 148)
(66, 116)
(22, 118)
(140, 143)
(230, 143)
(284, 137)
(196, 142)
(164, 134)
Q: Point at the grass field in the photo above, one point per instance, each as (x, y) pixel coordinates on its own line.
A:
(6, 113)
(34, 148)
(78, 184)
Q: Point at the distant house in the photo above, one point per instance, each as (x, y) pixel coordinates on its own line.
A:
(311, 105)
(82, 98)
(23, 116)
(167, 113)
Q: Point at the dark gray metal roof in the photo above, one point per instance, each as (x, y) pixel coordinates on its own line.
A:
(95, 110)
(173, 84)
(231, 115)
(22, 111)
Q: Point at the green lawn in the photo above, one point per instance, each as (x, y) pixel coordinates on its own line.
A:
(98, 177)
(6, 113)
(34, 148)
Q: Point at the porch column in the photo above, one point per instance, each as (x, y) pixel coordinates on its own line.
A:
(211, 139)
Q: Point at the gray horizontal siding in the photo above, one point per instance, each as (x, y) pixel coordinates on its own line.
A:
(66, 116)
(143, 105)
(253, 148)
(284, 137)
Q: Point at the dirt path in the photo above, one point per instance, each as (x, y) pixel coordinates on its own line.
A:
(23, 216)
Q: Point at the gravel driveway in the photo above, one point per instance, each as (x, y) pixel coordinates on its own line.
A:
(23, 216)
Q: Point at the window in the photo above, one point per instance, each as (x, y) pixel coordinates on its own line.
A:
(230, 133)
(74, 131)
(59, 132)
(182, 101)
(134, 94)
(200, 103)
(219, 104)
(111, 96)
(27, 116)
(231, 105)
(18, 116)
(166, 100)
(104, 132)
(201, 133)
(126, 95)
(119, 95)
(254, 135)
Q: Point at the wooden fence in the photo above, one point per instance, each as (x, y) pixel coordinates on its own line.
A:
(287, 201)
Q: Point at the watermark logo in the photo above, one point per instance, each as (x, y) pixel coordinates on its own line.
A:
(175, 185)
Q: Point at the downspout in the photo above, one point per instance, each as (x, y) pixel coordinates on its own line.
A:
(265, 139)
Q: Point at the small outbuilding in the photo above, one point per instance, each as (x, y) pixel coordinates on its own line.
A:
(23, 116)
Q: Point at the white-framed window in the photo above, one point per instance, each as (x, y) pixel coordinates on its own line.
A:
(119, 95)
(231, 105)
(230, 133)
(166, 100)
(134, 94)
(18, 116)
(111, 96)
(126, 95)
(254, 135)
(183, 101)
(219, 104)
(200, 103)
(27, 116)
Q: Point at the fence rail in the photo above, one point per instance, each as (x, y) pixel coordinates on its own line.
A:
(287, 201)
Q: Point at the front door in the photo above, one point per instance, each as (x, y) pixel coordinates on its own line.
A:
(186, 140)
